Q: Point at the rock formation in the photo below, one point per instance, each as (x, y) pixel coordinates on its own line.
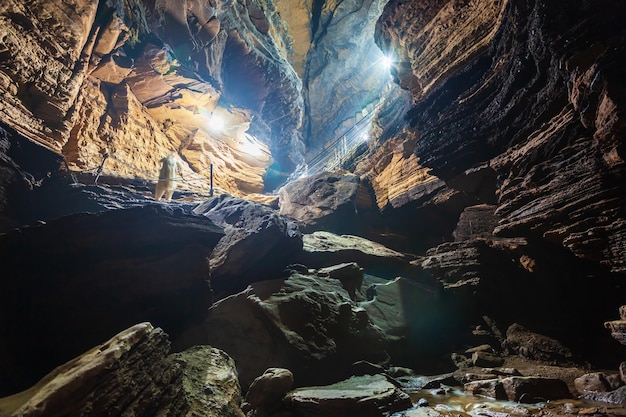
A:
(525, 87)
(474, 216)
(258, 242)
(133, 373)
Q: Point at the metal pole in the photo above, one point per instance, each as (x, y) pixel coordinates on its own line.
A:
(211, 179)
(104, 159)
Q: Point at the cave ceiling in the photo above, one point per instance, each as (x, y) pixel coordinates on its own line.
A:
(255, 88)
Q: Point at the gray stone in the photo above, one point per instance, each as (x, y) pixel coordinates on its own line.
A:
(520, 389)
(304, 323)
(536, 346)
(131, 374)
(533, 389)
(597, 381)
(267, 390)
(359, 396)
(258, 243)
(486, 359)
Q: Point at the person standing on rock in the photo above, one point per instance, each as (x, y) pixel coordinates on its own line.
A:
(167, 177)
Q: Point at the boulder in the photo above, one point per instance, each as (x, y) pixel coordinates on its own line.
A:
(132, 374)
(359, 396)
(536, 346)
(520, 389)
(349, 274)
(258, 243)
(267, 390)
(322, 248)
(618, 327)
(324, 201)
(486, 360)
(597, 381)
(613, 397)
(303, 323)
(533, 389)
(71, 283)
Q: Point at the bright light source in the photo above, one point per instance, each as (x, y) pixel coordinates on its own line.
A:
(251, 146)
(365, 137)
(216, 123)
(387, 61)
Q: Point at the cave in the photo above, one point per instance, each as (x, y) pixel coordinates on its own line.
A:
(312, 208)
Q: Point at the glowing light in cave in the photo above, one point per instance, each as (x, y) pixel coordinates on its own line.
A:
(365, 137)
(251, 146)
(216, 123)
(387, 61)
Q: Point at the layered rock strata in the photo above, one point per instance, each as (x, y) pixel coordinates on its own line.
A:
(136, 81)
(533, 90)
(133, 374)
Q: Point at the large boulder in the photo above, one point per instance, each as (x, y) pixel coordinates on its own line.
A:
(303, 323)
(359, 396)
(417, 320)
(322, 248)
(327, 200)
(132, 374)
(258, 243)
(520, 389)
(69, 284)
(536, 346)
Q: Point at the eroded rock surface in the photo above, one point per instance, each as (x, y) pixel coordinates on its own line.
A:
(133, 374)
(509, 85)
(258, 243)
(357, 396)
(306, 324)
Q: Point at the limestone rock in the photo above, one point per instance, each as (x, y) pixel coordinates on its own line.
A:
(325, 200)
(324, 248)
(349, 274)
(258, 243)
(358, 396)
(597, 381)
(306, 324)
(486, 360)
(618, 327)
(210, 383)
(476, 222)
(75, 281)
(614, 397)
(537, 346)
(521, 389)
(132, 374)
(555, 175)
(267, 390)
(343, 55)
(415, 319)
(501, 278)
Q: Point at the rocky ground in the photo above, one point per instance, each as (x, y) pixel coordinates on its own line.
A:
(290, 323)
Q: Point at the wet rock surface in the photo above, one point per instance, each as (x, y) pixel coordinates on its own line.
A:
(357, 396)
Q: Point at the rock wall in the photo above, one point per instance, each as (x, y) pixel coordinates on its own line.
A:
(533, 90)
(137, 80)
